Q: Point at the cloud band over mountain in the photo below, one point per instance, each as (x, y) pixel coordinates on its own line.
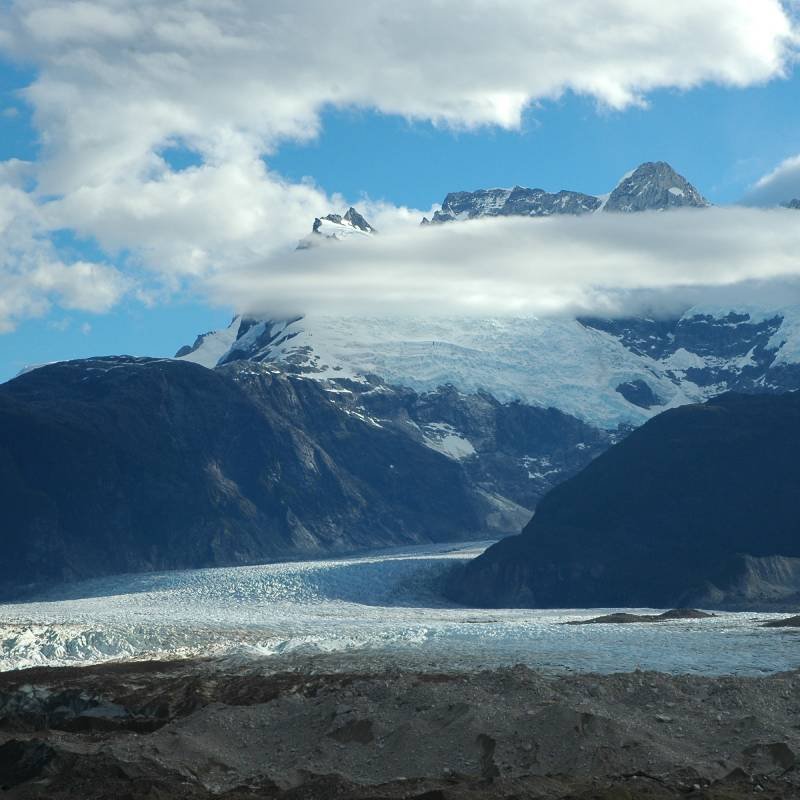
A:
(117, 85)
(603, 263)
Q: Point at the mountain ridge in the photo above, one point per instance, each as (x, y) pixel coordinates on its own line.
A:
(652, 186)
(684, 511)
(123, 464)
(455, 382)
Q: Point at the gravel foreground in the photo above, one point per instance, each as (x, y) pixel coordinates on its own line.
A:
(201, 729)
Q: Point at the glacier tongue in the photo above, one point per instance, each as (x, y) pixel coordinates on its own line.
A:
(382, 608)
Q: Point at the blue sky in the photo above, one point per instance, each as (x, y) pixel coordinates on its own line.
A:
(156, 186)
(722, 140)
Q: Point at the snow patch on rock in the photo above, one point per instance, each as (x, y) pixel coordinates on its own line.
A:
(447, 440)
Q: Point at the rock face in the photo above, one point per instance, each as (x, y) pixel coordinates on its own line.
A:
(511, 451)
(517, 202)
(743, 582)
(793, 203)
(122, 465)
(713, 349)
(654, 186)
(351, 219)
(656, 520)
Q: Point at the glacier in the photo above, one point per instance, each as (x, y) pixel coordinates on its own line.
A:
(380, 608)
(546, 362)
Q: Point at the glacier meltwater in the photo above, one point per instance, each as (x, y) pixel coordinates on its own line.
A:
(382, 609)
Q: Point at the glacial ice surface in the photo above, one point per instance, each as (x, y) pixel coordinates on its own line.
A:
(546, 362)
(381, 608)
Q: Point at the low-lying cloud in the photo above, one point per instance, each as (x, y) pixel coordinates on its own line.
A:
(607, 263)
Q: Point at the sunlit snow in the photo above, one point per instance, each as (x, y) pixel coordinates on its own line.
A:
(546, 362)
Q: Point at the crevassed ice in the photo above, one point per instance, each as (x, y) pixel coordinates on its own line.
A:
(383, 608)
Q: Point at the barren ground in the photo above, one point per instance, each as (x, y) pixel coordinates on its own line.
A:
(198, 729)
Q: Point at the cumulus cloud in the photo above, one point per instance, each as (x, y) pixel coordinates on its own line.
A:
(117, 80)
(118, 84)
(187, 223)
(32, 276)
(778, 186)
(606, 263)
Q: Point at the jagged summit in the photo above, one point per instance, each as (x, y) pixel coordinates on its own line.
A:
(337, 226)
(651, 186)
(351, 218)
(518, 201)
(357, 221)
(793, 204)
(654, 186)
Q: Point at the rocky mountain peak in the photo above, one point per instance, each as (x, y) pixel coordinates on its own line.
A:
(517, 202)
(793, 204)
(351, 218)
(336, 226)
(654, 186)
(355, 219)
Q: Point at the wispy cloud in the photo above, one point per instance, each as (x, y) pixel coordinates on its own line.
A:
(778, 186)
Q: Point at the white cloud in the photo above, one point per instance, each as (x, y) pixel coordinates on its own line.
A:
(185, 224)
(118, 83)
(219, 73)
(778, 186)
(32, 276)
(606, 263)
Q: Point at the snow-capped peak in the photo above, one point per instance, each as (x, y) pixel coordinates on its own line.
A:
(209, 348)
(337, 227)
(653, 186)
(518, 202)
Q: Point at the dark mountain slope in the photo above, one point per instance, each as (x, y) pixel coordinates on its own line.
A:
(121, 464)
(666, 515)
